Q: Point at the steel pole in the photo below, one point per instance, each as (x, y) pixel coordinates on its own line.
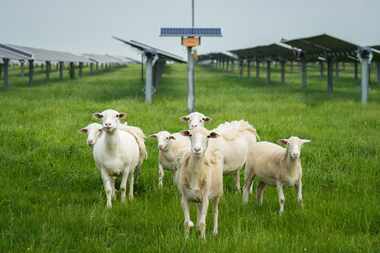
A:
(190, 81)
(365, 79)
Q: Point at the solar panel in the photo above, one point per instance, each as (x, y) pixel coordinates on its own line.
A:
(184, 32)
(272, 51)
(8, 54)
(326, 46)
(152, 50)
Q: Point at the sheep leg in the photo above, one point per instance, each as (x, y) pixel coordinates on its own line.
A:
(123, 185)
(199, 210)
(298, 187)
(113, 188)
(237, 180)
(137, 173)
(281, 196)
(188, 224)
(131, 185)
(107, 187)
(160, 175)
(215, 209)
(202, 217)
(251, 188)
(249, 175)
(260, 192)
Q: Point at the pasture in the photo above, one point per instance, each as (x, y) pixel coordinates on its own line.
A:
(52, 198)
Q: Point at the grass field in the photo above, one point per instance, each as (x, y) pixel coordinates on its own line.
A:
(51, 195)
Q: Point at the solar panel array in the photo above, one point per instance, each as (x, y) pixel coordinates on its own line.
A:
(103, 58)
(41, 55)
(217, 56)
(12, 53)
(16, 52)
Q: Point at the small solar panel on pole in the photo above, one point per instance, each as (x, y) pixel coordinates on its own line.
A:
(190, 38)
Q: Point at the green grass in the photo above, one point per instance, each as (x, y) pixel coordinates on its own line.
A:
(51, 195)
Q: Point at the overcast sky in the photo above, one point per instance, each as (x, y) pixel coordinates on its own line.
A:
(87, 26)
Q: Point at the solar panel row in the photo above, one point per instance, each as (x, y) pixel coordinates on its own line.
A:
(16, 52)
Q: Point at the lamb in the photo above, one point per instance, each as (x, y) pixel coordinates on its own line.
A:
(275, 165)
(201, 178)
(93, 131)
(237, 138)
(116, 153)
(171, 150)
(195, 119)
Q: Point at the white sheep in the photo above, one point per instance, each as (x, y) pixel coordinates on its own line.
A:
(237, 138)
(116, 153)
(140, 139)
(275, 165)
(171, 148)
(93, 131)
(201, 178)
(195, 119)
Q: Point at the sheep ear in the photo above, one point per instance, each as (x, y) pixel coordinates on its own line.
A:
(207, 119)
(153, 136)
(186, 133)
(283, 141)
(83, 130)
(122, 115)
(184, 118)
(305, 141)
(171, 137)
(213, 135)
(97, 115)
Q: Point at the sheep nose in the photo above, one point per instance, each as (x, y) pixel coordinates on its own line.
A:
(160, 146)
(91, 142)
(197, 149)
(193, 126)
(107, 124)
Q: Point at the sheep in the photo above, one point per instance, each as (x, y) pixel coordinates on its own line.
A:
(116, 153)
(195, 119)
(201, 178)
(237, 138)
(171, 149)
(93, 131)
(140, 139)
(275, 165)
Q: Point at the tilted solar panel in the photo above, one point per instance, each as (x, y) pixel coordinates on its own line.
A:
(7, 54)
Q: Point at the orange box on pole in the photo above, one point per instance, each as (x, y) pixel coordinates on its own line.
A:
(191, 41)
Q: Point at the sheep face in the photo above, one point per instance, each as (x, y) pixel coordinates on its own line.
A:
(110, 119)
(195, 119)
(199, 137)
(294, 145)
(93, 131)
(163, 140)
